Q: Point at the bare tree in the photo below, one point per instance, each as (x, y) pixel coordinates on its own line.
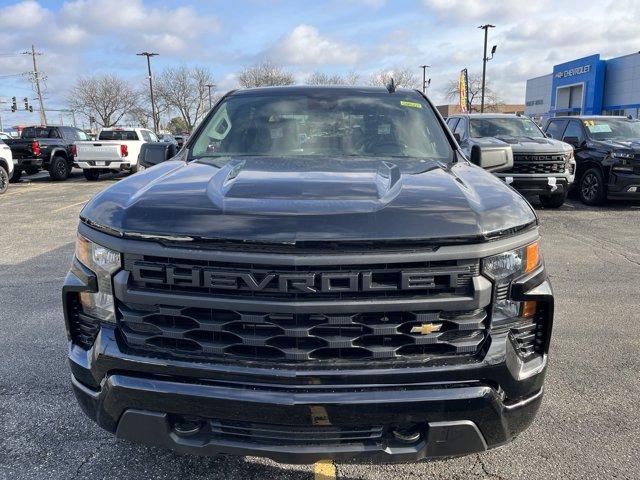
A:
(321, 78)
(402, 77)
(492, 102)
(185, 90)
(108, 98)
(265, 74)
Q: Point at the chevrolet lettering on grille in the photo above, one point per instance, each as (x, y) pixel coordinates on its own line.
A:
(291, 282)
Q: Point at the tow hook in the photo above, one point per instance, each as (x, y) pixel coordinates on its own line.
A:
(551, 181)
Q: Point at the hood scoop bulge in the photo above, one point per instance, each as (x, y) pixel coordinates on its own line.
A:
(304, 187)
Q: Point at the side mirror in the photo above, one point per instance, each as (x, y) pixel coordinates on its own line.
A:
(153, 153)
(548, 135)
(493, 159)
(575, 141)
(457, 137)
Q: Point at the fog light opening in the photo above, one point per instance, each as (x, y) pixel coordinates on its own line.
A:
(407, 435)
(186, 427)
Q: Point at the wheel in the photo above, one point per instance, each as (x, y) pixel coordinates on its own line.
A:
(91, 174)
(592, 187)
(58, 169)
(553, 201)
(31, 170)
(4, 180)
(15, 176)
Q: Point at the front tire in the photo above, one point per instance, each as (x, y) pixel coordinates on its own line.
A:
(553, 201)
(91, 174)
(58, 169)
(4, 180)
(593, 191)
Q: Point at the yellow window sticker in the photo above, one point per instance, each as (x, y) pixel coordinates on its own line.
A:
(404, 103)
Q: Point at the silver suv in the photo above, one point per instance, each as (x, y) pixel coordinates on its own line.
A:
(541, 166)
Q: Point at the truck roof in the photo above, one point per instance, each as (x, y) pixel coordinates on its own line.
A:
(306, 89)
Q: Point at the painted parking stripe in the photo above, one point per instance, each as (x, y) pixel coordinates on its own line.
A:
(324, 470)
(72, 205)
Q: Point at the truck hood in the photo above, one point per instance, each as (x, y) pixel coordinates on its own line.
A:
(287, 200)
(531, 145)
(630, 143)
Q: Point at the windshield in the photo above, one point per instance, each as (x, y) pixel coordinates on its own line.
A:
(612, 128)
(504, 127)
(325, 123)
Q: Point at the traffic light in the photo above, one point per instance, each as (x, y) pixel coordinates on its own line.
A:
(31, 108)
(26, 103)
(14, 104)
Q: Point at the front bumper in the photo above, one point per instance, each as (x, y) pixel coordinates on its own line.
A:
(623, 186)
(538, 184)
(449, 419)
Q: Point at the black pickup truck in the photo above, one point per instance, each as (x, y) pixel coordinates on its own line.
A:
(44, 148)
(320, 273)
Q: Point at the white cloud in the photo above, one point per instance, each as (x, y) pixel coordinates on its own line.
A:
(305, 46)
(24, 15)
(460, 11)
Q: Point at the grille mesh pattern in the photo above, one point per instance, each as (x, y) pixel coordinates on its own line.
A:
(206, 333)
(294, 435)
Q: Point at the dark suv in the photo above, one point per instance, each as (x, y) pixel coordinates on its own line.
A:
(319, 274)
(607, 153)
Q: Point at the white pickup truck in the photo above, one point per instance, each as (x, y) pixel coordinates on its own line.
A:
(116, 149)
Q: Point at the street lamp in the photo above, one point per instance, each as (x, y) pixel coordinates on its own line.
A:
(485, 60)
(424, 77)
(210, 86)
(153, 103)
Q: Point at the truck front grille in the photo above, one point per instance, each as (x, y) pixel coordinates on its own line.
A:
(302, 309)
(532, 164)
(210, 334)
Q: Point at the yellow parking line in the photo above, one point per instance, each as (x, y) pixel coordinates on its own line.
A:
(72, 205)
(324, 470)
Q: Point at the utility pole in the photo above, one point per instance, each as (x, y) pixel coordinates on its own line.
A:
(36, 75)
(424, 77)
(484, 61)
(209, 86)
(153, 103)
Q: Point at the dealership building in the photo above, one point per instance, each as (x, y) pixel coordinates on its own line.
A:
(587, 86)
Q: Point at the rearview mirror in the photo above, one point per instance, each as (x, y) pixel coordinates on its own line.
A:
(493, 159)
(153, 153)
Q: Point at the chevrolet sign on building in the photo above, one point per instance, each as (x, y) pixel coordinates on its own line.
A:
(587, 86)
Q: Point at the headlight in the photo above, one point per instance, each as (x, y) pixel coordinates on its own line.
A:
(104, 263)
(622, 154)
(503, 269)
(568, 156)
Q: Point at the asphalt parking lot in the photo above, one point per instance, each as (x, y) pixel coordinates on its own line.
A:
(588, 426)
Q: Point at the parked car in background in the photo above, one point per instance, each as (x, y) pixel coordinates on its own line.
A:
(541, 166)
(44, 148)
(6, 166)
(5, 136)
(168, 138)
(607, 151)
(115, 150)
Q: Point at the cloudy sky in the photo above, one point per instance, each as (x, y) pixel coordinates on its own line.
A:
(96, 36)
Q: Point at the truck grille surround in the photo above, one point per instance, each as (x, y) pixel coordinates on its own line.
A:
(315, 336)
(532, 164)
